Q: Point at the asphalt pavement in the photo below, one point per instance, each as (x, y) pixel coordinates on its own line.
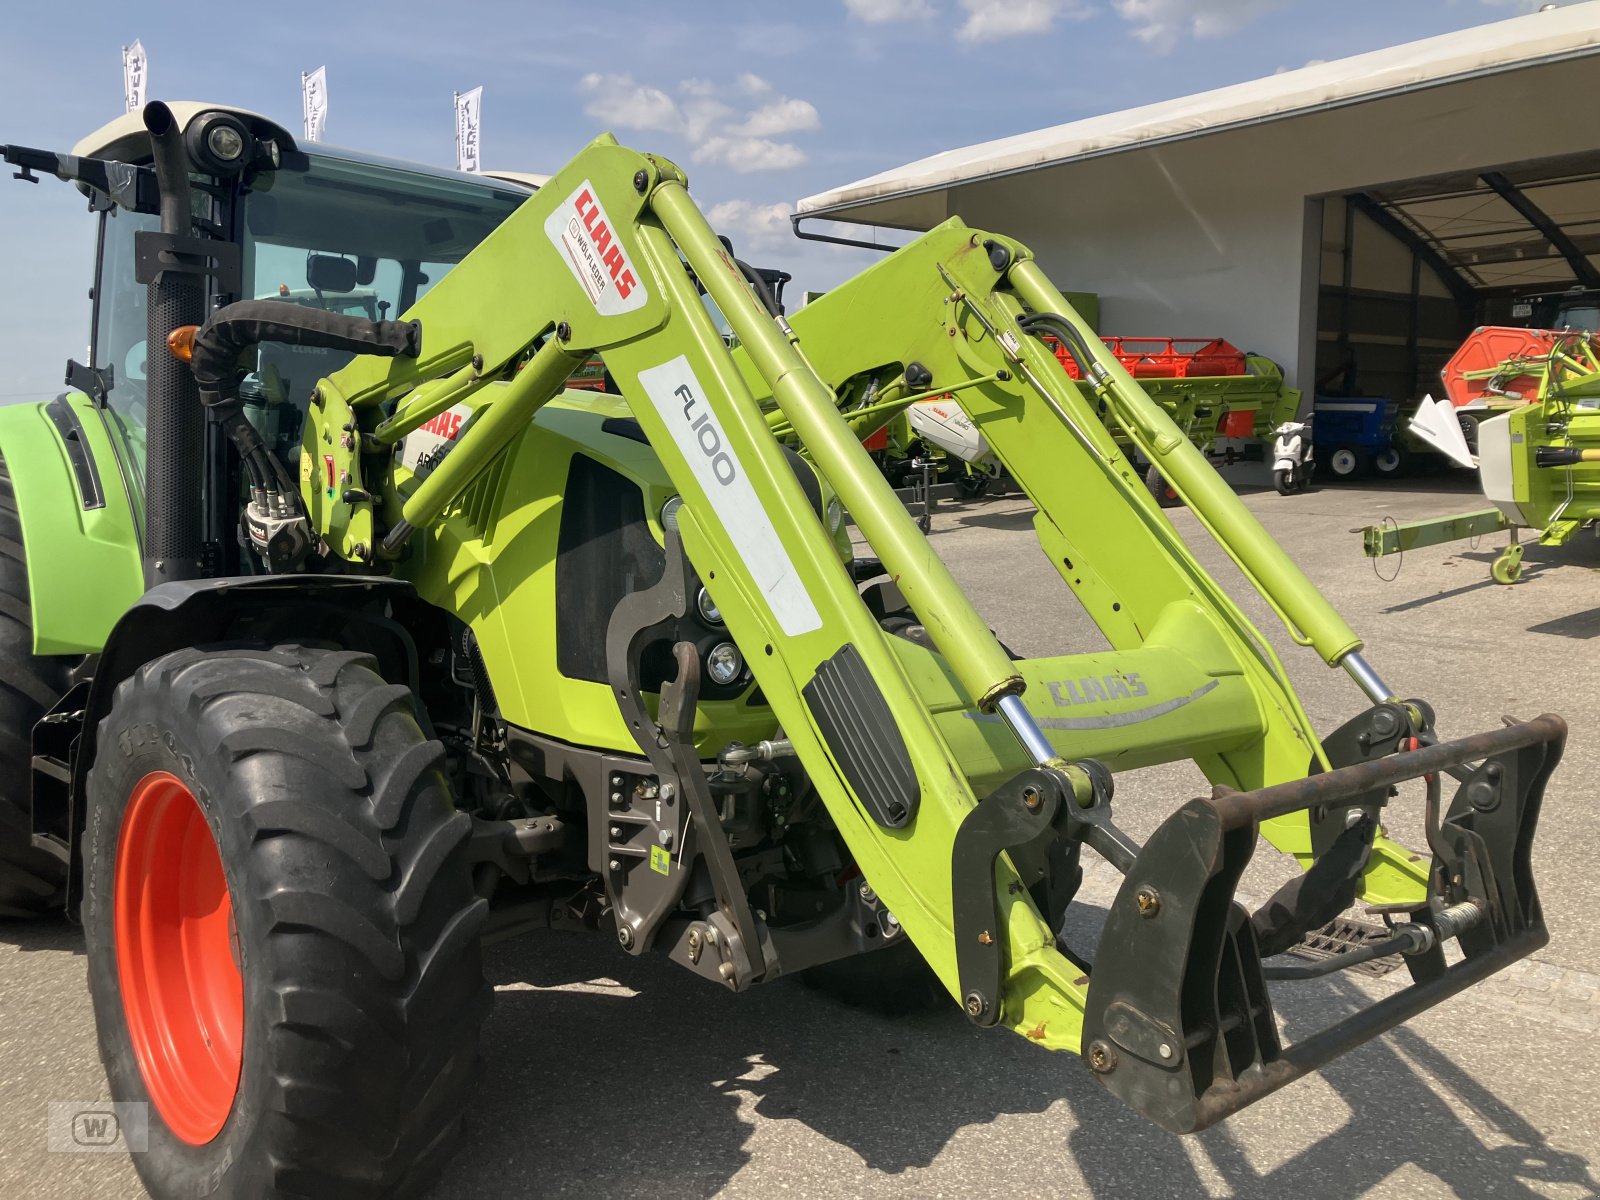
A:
(612, 1076)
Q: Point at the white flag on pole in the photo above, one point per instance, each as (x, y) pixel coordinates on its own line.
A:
(468, 107)
(314, 100)
(135, 75)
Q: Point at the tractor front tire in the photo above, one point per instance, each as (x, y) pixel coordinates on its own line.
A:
(283, 938)
(31, 879)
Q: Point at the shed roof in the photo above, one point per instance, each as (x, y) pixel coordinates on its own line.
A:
(1515, 44)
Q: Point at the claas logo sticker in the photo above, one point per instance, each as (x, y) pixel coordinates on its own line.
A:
(593, 249)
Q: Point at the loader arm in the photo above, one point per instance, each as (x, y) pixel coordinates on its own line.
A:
(941, 306)
(964, 783)
(814, 647)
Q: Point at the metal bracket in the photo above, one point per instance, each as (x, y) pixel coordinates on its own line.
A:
(94, 382)
(1383, 729)
(1035, 806)
(156, 254)
(744, 958)
(1341, 834)
(643, 893)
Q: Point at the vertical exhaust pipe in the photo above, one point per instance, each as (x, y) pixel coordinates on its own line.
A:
(174, 430)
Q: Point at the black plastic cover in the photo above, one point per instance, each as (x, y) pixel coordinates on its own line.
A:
(859, 728)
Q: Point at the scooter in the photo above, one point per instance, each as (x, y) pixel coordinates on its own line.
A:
(1292, 461)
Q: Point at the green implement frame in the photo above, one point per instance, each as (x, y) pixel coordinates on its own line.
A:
(1539, 462)
(1392, 538)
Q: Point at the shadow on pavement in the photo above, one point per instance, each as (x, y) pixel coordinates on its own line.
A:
(42, 933)
(644, 1084)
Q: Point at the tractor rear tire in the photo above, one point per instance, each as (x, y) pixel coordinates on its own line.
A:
(31, 879)
(893, 982)
(283, 938)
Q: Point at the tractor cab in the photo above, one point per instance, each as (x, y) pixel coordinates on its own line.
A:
(311, 225)
(1575, 308)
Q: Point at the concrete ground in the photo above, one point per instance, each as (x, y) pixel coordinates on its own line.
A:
(611, 1076)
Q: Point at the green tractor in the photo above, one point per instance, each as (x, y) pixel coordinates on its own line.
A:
(339, 644)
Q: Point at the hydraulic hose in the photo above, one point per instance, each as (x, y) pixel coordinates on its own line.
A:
(1070, 337)
(238, 327)
(759, 286)
(234, 329)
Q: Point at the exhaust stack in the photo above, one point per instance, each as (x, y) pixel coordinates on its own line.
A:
(175, 422)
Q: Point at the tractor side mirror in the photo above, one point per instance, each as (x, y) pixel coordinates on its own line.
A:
(330, 273)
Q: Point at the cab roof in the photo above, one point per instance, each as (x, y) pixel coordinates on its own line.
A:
(126, 140)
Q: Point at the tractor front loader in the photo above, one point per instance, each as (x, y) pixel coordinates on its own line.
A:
(435, 651)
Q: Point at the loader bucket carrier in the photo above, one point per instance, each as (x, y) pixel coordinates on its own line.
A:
(440, 649)
(963, 782)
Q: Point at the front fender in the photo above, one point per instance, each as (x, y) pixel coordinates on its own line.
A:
(357, 612)
(78, 528)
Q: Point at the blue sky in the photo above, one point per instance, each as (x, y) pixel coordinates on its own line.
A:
(762, 103)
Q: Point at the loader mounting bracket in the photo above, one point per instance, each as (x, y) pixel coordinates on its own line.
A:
(645, 884)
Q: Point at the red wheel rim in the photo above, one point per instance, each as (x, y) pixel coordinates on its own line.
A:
(181, 988)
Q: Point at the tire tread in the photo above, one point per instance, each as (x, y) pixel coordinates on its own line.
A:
(355, 855)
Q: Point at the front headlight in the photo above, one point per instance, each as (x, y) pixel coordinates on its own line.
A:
(709, 612)
(835, 515)
(724, 664)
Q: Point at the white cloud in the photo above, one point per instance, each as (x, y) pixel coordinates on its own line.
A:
(990, 20)
(749, 154)
(620, 102)
(1162, 23)
(701, 115)
(751, 225)
(783, 115)
(876, 12)
(715, 119)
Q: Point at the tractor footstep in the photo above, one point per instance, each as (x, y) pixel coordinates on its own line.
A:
(1341, 935)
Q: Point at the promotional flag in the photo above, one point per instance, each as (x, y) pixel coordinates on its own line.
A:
(135, 75)
(314, 100)
(468, 108)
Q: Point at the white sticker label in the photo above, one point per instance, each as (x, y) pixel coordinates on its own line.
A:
(427, 444)
(589, 242)
(699, 436)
